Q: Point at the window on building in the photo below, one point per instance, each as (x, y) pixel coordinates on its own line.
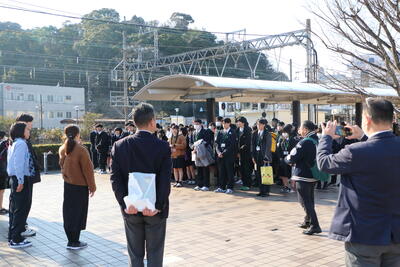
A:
(59, 99)
(230, 107)
(60, 114)
(50, 98)
(254, 106)
(51, 115)
(20, 97)
(68, 98)
(263, 105)
(31, 97)
(68, 115)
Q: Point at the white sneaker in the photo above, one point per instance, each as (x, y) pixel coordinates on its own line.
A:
(28, 232)
(205, 188)
(228, 191)
(239, 182)
(103, 172)
(219, 190)
(197, 188)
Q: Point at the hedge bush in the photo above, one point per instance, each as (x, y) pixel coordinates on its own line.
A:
(52, 160)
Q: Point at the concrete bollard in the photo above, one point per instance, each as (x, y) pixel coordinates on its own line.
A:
(45, 164)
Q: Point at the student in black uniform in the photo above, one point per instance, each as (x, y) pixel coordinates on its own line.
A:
(225, 146)
(261, 153)
(285, 144)
(103, 142)
(244, 148)
(93, 150)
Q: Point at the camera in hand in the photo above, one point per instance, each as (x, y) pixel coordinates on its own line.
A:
(343, 131)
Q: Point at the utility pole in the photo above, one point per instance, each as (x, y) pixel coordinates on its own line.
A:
(291, 70)
(41, 112)
(124, 55)
(311, 69)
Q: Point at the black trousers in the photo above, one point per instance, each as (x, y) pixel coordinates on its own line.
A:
(226, 169)
(103, 160)
(246, 168)
(305, 194)
(20, 206)
(95, 158)
(75, 210)
(145, 234)
(203, 176)
(263, 189)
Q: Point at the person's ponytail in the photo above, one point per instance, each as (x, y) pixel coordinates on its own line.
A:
(71, 131)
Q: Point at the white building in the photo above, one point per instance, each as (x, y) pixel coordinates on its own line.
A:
(54, 102)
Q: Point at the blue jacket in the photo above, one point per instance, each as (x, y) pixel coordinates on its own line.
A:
(368, 209)
(19, 160)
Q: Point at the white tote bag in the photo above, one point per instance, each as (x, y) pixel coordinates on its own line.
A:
(141, 191)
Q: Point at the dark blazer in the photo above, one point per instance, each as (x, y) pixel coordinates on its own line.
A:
(244, 141)
(302, 156)
(103, 142)
(285, 145)
(265, 146)
(36, 178)
(229, 139)
(115, 138)
(142, 152)
(93, 135)
(368, 210)
(206, 135)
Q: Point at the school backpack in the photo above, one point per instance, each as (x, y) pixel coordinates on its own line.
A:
(317, 173)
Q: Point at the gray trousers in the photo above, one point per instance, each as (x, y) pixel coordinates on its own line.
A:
(359, 255)
(145, 234)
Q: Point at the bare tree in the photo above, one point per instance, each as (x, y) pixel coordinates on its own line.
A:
(355, 29)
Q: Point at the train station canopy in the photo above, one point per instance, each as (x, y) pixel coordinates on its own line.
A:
(199, 88)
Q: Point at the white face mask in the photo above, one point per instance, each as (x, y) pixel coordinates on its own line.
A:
(197, 127)
(210, 127)
(218, 123)
(285, 135)
(319, 135)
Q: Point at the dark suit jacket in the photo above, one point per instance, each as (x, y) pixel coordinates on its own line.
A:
(93, 135)
(368, 210)
(103, 142)
(265, 146)
(230, 144)
(206, 135)
(142, 152)
(244, 142)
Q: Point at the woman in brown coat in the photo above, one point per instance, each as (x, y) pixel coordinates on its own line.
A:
(78, 174)
(177, 143)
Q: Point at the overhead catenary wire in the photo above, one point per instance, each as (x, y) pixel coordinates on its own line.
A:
(126, 23)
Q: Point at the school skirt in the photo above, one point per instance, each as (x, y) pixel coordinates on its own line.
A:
(75, 207)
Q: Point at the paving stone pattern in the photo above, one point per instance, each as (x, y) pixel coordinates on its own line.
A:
(204, 229)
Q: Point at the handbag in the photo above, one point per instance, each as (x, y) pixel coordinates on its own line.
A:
(267, 176)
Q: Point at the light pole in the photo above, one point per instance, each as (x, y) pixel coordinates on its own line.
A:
(40, 111)
(77, 114)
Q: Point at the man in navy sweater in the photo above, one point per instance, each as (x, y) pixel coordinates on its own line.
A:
(367, 216)
(143, 152)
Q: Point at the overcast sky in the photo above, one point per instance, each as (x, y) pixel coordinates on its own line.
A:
(256, 16)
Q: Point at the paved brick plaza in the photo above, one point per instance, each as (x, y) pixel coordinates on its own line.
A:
(204, 229)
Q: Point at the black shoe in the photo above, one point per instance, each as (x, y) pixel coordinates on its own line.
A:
(312, 231)
(262, 195)
(3, 211)
(304, 225)
(76, 245)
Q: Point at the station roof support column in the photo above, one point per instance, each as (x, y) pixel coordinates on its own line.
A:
(358, 119)
(210, 106)
(296, 112)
